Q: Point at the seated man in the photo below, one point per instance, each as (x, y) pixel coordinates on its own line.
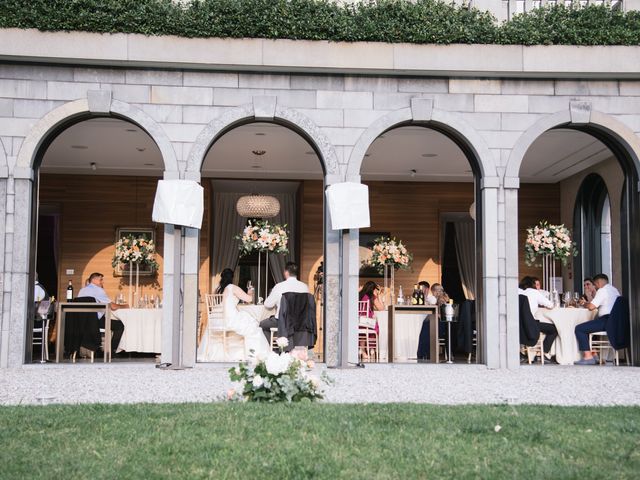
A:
(538, 299)
(429, 298)
(438, 297)
(603, 301)
(290, 284)
(95, 289)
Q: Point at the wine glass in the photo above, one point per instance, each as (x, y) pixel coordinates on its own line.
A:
(566, 298)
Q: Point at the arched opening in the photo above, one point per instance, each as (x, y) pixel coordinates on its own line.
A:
(571, 171)
(268, 158)
(94, 182)
(424, 185)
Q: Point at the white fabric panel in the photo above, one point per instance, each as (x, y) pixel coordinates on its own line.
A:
(348, 205)
(179, 202)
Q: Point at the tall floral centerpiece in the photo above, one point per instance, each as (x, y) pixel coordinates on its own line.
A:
(263, 237)
(388, 255)
(545, 245)
(134, 251)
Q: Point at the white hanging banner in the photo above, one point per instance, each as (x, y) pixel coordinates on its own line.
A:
(348, 205)
(179, 202)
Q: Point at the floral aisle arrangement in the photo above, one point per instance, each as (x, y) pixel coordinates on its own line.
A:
(135, 250)
(549, 240)
(283, 377)
(261, 236)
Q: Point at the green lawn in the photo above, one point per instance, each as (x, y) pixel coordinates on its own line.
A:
(318, 441)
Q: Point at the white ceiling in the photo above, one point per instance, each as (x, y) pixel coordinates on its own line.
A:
(120, 148)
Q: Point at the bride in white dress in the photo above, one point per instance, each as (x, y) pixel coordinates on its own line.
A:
(241, 322)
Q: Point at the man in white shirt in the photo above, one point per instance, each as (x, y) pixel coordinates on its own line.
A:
(603, 301)
(95, 289)
(429, 298)
(537, 298)
(290, 284)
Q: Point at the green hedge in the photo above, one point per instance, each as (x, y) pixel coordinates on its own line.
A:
(426, 21)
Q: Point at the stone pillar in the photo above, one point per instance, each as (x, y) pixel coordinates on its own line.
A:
(352, 278)
(491, 335)
(511, 272)
(4, 317)
(17, 266)
(332, 295)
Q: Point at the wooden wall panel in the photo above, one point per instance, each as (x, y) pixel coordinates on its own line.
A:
(91, 208)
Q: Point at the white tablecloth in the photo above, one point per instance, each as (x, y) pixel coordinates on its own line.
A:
(142, 329)
(565, 320)
(259, 312)
(405, 335)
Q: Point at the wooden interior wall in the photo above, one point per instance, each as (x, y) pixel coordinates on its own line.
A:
(91, 207)
(536, 202)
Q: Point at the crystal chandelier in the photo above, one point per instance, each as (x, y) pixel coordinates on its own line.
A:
(258, 206)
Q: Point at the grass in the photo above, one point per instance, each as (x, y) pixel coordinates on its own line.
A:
(318, 441)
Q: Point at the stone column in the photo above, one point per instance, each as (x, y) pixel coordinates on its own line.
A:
(332, 295)
(512, 246)
(490, 334)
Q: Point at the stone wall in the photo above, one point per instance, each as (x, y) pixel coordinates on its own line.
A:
(183, 109)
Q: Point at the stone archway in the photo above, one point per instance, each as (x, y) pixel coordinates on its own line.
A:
(97, 103)
(421, 112)
(625, 145)
(267, 109)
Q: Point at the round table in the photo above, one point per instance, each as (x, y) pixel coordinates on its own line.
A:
(259, 312)
(565, 320)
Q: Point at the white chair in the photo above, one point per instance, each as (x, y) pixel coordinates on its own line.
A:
(41, 334)
(216, 324)
(274, 338)
(537, 349)
(599, 342)
(367, 335)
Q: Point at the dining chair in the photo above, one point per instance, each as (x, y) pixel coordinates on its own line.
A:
(537, 349)
(599, 342)
(216, 323)
(274, 338)
(367, 335)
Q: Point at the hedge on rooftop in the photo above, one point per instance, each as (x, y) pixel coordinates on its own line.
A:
(396, 21)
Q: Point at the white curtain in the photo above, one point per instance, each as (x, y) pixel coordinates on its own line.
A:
(466, 253)
(226, 225)
(286, 216)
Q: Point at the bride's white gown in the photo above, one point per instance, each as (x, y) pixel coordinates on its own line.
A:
(243, 324)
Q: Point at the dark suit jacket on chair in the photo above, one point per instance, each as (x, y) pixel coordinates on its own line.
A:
(81, 329)
(618, 325)
(297, 319)
(529, 328)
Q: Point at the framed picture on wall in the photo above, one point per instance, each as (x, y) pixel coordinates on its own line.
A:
(367, 240)
(138, 232)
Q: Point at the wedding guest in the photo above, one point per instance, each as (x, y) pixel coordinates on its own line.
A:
(290, 284)
(95, 289)
(589, 290)
(603, 301)
(240, 322)
(536, 300)
(429, 298)
(370, 292)
(424, 340)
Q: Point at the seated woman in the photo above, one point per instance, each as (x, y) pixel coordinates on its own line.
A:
(241, 322)
(370, 292)
(589, 290)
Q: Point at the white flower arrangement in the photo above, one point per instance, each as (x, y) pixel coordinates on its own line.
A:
(284, 377)
(545, 239)
(137, 250)
(261, 236)
(390, 251)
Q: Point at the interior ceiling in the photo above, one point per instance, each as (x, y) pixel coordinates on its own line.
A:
(262, 151)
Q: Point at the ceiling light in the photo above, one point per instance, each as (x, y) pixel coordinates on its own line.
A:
(258, 206)
(429, 155)
(94, 166)
(256, 167)
(131, 130)
(140, 149)
(412, 172)
(472, 211)
(259, 153)
(79, 147)
(149, 164)
(260, 134)
(367, 154)
(310, 153)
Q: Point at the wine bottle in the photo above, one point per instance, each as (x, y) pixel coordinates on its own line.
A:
(70, 291)
(415, 296)
(420, 297)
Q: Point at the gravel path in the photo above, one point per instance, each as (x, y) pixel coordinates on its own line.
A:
(438, 384)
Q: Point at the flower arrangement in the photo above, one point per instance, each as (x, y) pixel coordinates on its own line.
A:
(261, 236)
(390, 251)
(137, 250)
(283, 377)
(545, 239)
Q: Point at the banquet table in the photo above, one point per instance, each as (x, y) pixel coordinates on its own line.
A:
(407, 323)
(565, 320)
(142, 329)
(259, 312)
